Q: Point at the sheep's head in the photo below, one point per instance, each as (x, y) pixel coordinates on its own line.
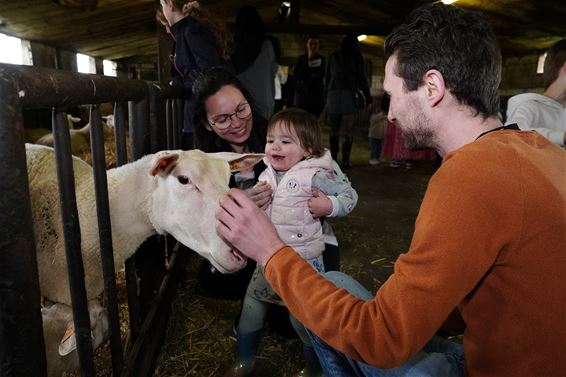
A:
(189, 186)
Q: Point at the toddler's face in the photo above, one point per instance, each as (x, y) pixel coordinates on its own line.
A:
(283, 148)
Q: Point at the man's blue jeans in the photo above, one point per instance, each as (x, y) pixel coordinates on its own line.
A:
(439, 358)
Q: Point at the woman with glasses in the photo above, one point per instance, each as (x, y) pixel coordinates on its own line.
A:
(225, 121)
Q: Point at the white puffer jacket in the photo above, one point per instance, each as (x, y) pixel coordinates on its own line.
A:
(289, 209)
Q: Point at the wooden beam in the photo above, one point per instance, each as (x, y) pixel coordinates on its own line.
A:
(289, 28)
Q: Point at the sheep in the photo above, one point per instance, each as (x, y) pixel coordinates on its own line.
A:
(80, 140)
(173, 192)
(57, 318)
(32, 135)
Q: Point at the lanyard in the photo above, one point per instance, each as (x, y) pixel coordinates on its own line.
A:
(513, 127)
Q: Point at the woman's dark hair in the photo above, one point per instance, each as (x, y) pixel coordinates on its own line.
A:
(459, 44)
(205, 86)
(304, 124)
(350, 45)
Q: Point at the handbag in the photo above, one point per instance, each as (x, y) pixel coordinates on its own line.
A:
(359, 98)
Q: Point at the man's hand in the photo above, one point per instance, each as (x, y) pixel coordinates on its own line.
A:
(319, 205)
(246, 227)
(261, 194)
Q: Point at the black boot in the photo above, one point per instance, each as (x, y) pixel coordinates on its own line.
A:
(334, 146)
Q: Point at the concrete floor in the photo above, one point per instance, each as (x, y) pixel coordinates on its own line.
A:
(200, 341)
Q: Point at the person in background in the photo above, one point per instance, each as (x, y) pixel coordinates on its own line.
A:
(306, 188)
(376, 132)
(394, 148)
(309, 76)
(280, 80)
(289, 87)
(200, 42)
(545, 113)
(345, 73)
(488, 241)
(255, 59)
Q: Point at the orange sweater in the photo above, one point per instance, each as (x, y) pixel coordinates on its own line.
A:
(490, 239)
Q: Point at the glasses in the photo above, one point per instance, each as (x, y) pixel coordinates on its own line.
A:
(224, 121)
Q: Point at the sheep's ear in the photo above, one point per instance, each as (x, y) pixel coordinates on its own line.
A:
(239, 161)
(163, 162)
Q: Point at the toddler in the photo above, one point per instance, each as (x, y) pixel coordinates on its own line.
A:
(306, 188)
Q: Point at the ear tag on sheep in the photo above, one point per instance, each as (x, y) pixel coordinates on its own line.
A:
(163, 163)
(68, 342)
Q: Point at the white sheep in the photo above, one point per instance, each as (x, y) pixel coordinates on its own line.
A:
(173, 192)
(56, 319)
(32, 135)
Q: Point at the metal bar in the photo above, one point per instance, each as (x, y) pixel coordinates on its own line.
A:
(43, 87)
(156, 119)
(105, 237)
(21, 338)
(139, 127)
(144, 353)
(72, 236)
(137, 112)
(177, 122)
(120, 134)
(169, 123)
(132, 289)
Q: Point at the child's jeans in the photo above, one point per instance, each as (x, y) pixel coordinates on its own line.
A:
(439, 357)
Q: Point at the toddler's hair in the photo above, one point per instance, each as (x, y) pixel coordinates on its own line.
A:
(305, 126)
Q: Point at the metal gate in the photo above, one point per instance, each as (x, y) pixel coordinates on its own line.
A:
(155, 116)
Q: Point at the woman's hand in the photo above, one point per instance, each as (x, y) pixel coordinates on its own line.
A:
(261, 194)
(320, 205)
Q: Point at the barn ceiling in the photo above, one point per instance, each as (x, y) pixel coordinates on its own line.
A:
(123, 29)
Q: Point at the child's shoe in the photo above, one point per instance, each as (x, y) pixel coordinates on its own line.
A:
(395, 164)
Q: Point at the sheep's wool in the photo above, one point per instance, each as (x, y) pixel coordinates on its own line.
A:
(46, 212)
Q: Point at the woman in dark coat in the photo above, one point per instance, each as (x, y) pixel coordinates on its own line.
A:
(200, 42)
(345, 72)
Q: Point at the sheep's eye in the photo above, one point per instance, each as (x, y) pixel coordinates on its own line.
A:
(183, 179)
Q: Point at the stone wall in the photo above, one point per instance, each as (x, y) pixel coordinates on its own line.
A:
(519, 76)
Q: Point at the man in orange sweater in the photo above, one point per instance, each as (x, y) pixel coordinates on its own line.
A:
(489, 241)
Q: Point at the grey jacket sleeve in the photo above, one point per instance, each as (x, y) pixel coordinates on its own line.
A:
(337, 187)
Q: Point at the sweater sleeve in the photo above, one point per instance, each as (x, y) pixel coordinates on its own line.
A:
(460, 229)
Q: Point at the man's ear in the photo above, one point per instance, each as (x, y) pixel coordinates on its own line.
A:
(434, 86)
